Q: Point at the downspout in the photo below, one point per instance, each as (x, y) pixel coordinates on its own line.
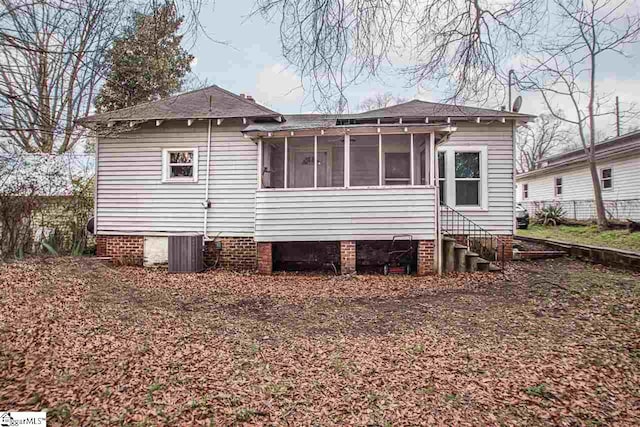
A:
(205, 203)
(95, 190)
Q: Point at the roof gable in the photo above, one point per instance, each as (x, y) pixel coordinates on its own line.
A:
(212, 102)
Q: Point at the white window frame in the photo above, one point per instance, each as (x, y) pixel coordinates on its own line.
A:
(525, 191)
(166, 172)
(450, 180)
(441, 180)
(555, 186)
(603, 179)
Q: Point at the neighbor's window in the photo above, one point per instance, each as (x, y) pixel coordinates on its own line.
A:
(525, 191)
(442, 178)
(606, 177)
(180, 165)
(557, 186)
(467, 170)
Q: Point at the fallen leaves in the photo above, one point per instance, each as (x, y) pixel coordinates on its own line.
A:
(97, 345)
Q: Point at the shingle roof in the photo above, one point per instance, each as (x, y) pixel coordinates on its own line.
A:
(417, 108)
(632, 137)
(212, 102)
(411, 109)
(297, 121)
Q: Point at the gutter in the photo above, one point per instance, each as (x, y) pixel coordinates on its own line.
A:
(205, 203)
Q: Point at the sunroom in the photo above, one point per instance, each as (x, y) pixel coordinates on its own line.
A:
(358, 183)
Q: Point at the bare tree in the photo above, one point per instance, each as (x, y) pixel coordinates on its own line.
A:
(380, 100)
(52, 63)
(540, 139)
(50, 66)
(565, 67)
(338, 43)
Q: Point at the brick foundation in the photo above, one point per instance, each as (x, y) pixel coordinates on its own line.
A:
(347, 257)
(426, 259)
(237, 253)
(127, 250)
(265, 258)
(507, 242)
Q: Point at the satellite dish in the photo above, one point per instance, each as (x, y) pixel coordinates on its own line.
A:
(517, 104)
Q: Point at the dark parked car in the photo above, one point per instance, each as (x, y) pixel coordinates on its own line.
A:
(522, 217)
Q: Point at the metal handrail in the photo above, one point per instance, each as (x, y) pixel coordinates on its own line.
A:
(456, 225)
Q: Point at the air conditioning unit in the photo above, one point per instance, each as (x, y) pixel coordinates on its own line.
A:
(186, 253)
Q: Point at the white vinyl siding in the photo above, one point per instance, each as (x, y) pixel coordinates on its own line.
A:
(132, 198)
(345, 214)
(577, 183)
(498, 139)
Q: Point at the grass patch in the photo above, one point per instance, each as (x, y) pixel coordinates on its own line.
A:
(587, 235)
(592, 282)
(245, 414)
(539, 390)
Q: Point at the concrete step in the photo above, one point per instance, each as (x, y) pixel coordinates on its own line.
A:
(494, 268)
(448, 254)
(483, 264)
(460, 257)
(471, 261)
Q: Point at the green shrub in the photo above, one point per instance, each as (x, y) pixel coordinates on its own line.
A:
(550, 215)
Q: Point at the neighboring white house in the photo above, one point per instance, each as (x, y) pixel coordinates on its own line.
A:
(219, 164)
(565, 180)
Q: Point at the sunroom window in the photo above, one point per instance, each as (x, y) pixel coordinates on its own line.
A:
(396, 164)
(324, 161)
(180, 165)
(364, 160)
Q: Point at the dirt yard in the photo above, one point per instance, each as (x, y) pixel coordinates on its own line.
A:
(550, 343)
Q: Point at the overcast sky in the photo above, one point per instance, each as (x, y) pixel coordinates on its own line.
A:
(253, 64)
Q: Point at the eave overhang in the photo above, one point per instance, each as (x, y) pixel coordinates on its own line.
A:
(388, 129)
